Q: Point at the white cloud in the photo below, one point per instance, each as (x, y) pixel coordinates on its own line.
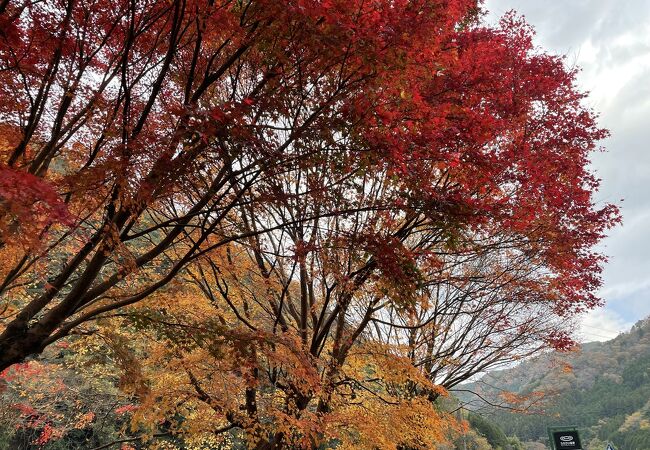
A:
(610, 42)
(601, 325)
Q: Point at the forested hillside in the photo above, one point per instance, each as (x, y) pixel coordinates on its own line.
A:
(603, 388)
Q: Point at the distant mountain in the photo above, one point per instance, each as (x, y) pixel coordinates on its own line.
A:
(603, 388)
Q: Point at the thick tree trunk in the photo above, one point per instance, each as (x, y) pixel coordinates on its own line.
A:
(22, 339)
(16, 348)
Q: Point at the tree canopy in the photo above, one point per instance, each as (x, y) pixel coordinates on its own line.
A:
(320, 214)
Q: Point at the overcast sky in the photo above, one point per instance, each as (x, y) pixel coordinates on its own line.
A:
(610, 41)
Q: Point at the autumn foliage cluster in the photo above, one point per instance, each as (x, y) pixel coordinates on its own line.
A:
(290, 223)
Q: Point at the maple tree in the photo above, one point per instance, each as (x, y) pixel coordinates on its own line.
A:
(153, 119)
(340, 188)
(207, 379)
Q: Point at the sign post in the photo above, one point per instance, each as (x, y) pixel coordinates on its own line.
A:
(564, 438)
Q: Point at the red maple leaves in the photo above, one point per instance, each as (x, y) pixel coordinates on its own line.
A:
(167, 126)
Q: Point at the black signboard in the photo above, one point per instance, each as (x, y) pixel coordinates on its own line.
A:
(567, 440)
